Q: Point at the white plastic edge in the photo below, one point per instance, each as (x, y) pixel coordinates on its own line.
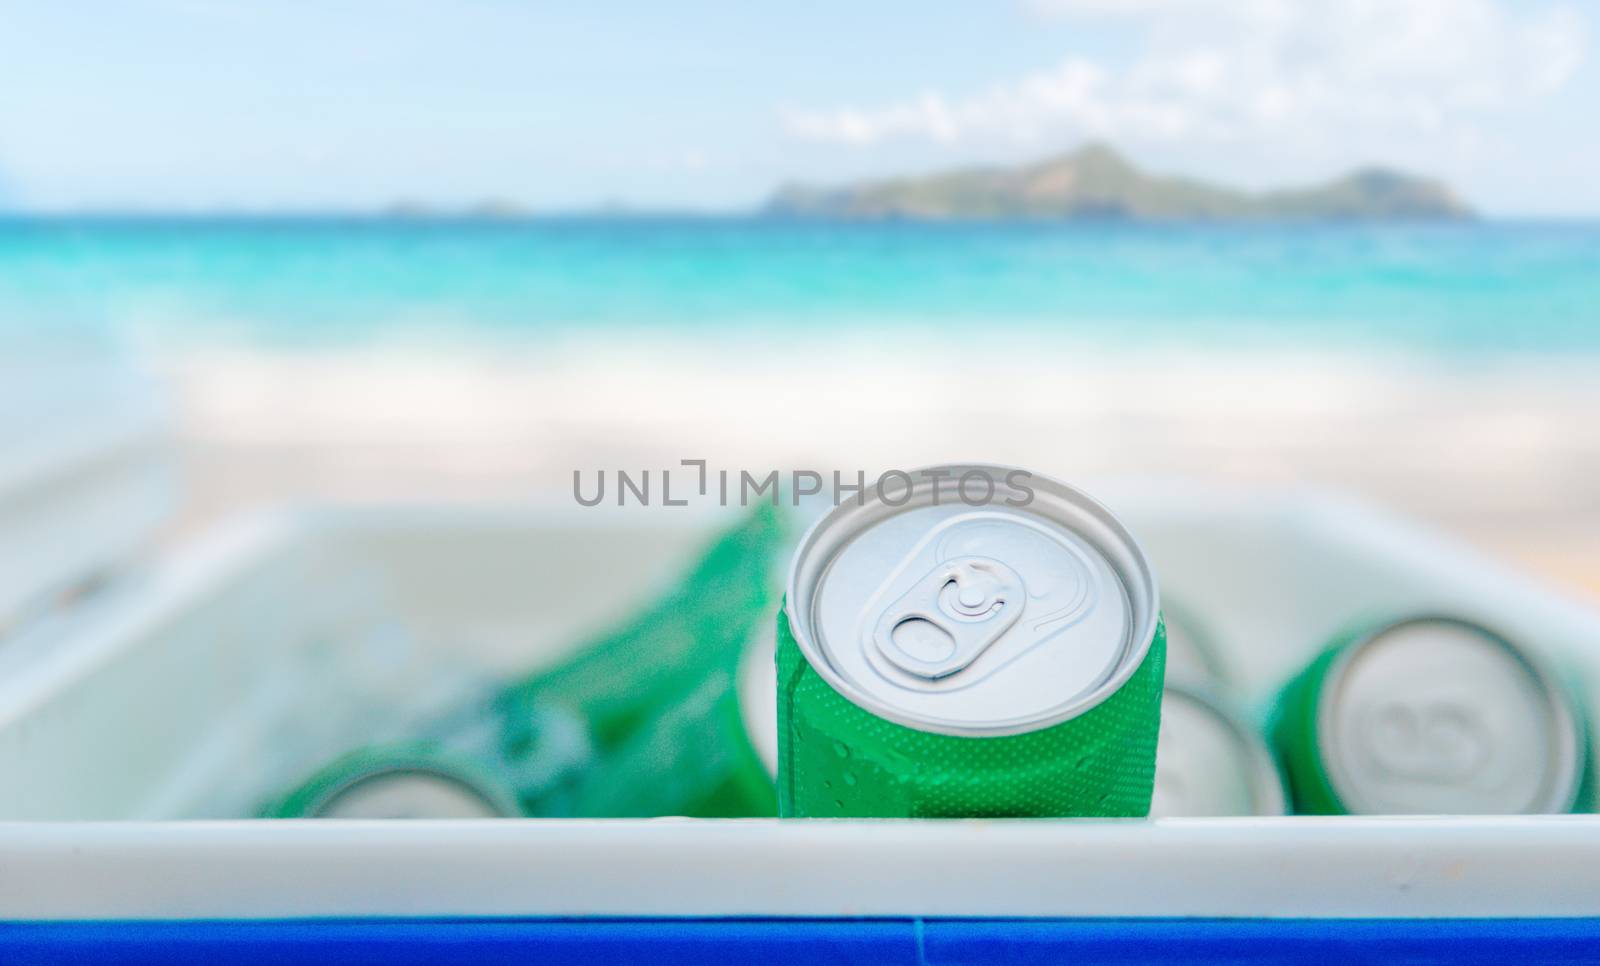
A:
(1372, 867)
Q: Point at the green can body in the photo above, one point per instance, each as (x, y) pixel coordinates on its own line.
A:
(836, 759)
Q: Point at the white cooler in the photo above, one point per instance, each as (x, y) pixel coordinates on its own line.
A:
(141, 724)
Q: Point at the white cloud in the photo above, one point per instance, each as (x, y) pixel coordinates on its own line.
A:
(1250, 69)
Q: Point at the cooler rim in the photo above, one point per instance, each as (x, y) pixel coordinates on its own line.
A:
(1335, 867)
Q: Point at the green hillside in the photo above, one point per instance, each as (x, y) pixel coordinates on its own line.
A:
(1097, 182)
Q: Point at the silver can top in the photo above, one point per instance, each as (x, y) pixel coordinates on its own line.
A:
(397, 793)
(1439, 715)
(1209, 763)
(977, 600)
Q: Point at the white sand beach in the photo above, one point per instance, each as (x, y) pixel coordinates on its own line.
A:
(1503, 453)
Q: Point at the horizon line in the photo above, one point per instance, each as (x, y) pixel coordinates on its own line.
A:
(609, 212)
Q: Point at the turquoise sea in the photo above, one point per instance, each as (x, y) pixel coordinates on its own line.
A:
(1455, 288)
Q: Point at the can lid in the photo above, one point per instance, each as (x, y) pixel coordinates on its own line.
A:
(408, 793)
(1440, 715)
(973, 600)
(1209, 763)
(400, 781)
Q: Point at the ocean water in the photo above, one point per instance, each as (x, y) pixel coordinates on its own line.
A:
(1476, 287)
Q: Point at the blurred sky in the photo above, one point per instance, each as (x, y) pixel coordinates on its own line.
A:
(185, 105)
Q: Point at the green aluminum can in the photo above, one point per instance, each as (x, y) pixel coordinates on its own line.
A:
(703, 757)
(660, 695)
(1430, 714)
(626, 678)
(982, 642)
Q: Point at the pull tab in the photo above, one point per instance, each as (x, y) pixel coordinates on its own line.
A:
(950, 616)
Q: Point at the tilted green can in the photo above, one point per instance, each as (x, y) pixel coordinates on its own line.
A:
(698, 758)
(646, 720)
(660, 695)
(989, 645)
(1430, 714)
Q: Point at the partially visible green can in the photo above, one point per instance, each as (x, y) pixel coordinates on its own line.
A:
(703, 757)
(660, 695)
(626, 678)
(988, 645)
(1430, 714)
(647, 720)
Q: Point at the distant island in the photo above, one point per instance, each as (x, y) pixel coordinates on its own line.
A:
(1097, 182)
(489, 209)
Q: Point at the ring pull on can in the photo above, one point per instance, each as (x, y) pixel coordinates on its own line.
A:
(950, 616)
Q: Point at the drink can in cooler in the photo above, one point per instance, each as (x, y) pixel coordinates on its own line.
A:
(400, 781)
(627, 677)
(658, 695)
(980, 641)
(1429, 715)
(1209, 762)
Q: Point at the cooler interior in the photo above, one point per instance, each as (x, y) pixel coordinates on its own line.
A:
(203, 685)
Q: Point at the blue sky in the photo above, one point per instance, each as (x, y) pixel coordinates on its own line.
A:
(184, 105)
